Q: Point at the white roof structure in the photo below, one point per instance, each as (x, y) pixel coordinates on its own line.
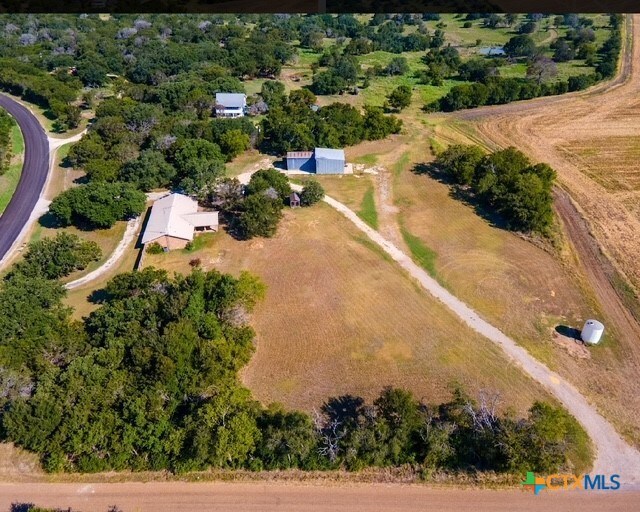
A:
(176, 215)
(231, 99)
(330, 154)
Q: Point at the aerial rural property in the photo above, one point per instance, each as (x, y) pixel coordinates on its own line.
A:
(256, 261)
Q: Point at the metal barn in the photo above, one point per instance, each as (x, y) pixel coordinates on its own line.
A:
(329, 161)
(301, 161)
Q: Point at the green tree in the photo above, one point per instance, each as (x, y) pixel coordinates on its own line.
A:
(273, 93)
(259, 216)
(312, 193)
(269, 178)
(460, 162)
(520, 46)
(53, 258)
(199, 164)
(150, 170)
(233, 143)
(98, 205)
(400, 97)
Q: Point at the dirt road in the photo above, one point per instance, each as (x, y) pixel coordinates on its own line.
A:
(589, 138)
(614, 455)
(287, 497)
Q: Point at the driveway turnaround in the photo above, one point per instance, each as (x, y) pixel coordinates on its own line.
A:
(33, 178)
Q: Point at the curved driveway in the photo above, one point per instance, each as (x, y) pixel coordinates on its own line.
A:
(33, 178)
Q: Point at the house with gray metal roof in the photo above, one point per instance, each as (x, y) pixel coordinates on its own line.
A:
(319, 161)
(230, 104)
(174, 221)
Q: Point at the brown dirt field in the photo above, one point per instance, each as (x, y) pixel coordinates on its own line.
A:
(590, 138)
(328, 326)
(288, 497)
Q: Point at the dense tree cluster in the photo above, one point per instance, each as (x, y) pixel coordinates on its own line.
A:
(487, 87)
(507, 182)
(296, 126)
(54, 258)
(6, 125)
(54, 93)
(149, 381)
(149, 144)
(97, 205)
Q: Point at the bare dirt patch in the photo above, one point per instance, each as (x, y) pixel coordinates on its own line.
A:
(290, 497)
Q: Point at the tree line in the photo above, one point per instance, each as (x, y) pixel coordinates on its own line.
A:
(6, 126)
(149, 381)
(489, 88)
(505, 181)
(292, 124)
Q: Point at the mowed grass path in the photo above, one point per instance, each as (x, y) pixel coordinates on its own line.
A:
(339, 318)
(9, 180)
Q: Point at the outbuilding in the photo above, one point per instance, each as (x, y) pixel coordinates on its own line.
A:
(174, 221)
(320, 161)
(301, 161)
(329, 161)
(294, 200)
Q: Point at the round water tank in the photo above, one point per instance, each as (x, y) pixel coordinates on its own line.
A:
(592, 332)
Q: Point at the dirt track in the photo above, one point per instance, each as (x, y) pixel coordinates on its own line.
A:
(549, 129)
(284, 497)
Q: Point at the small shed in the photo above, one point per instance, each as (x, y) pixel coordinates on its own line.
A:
(300, 161)
(294, 200)
(329, 161)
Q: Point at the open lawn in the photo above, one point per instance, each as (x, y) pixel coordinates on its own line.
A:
(349, 189)
(339, 318)
(9, 180)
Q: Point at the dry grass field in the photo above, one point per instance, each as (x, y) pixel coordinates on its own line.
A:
(340, 318)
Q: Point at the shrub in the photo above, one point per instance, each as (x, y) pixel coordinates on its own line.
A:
(154, 248)
(311, 193)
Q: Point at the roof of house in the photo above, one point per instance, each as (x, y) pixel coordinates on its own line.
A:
(176, 215)
(330, 154)
(231, 99)
(299, 154)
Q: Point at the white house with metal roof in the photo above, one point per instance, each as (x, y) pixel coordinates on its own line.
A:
(175, 220)
(230, 104)
(320, 161)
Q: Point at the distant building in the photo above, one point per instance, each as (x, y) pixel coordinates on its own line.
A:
(320, 161)
(174, 221)
(230, 104)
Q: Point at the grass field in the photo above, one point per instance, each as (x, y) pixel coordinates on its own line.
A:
(9, 180)
(339, 318)
(468, 41)
(348, 189)
(367, 211)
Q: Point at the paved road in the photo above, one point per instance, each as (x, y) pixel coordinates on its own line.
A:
(33, 178)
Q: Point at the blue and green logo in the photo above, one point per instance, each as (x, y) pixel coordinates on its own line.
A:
(564, 482)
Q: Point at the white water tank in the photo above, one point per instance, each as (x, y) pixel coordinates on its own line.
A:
(592, 332)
